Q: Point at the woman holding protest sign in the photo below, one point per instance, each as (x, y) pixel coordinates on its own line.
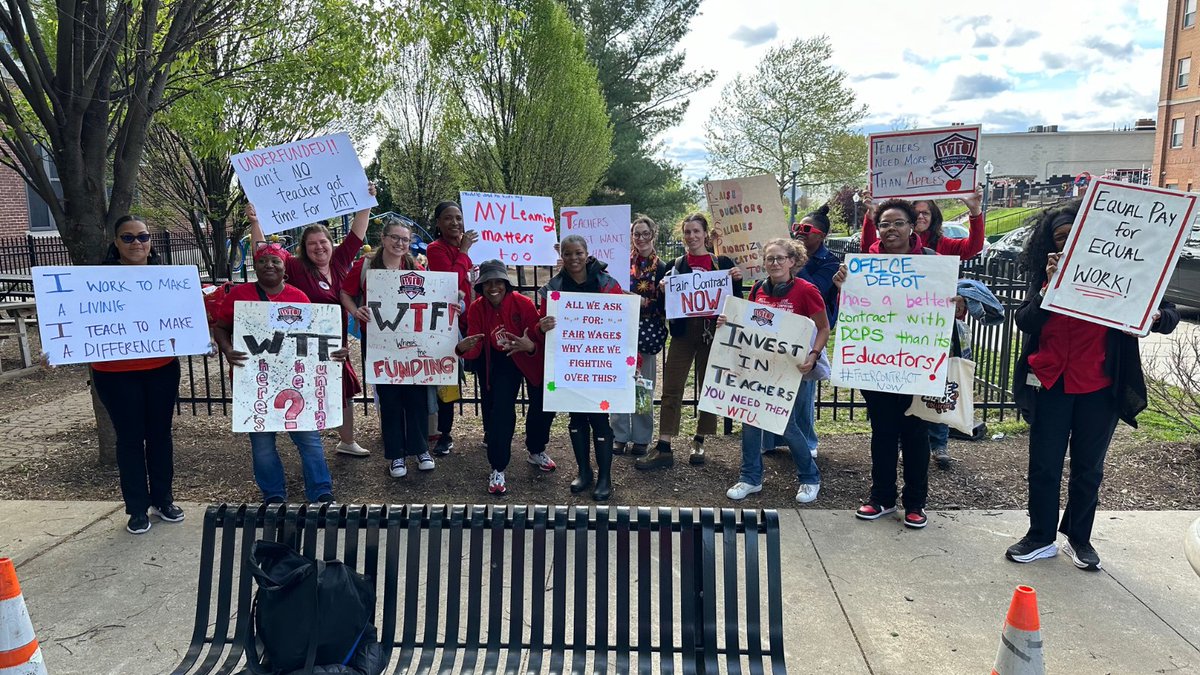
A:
(1073, 382)
(929, 228)
(139, 395)
(269, 265)
(783, 290)
(318, 270)
(690, 341)
(581, 273)
(403, 408)
(450, 252)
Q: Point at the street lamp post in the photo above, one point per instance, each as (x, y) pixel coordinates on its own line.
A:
(987, 186)
(795, 167)
(857, 200)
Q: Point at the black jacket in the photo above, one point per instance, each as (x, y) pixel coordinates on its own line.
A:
(678, 327)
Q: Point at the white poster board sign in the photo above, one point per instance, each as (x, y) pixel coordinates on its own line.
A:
(299, 183)
(925, 163)
(591, 354)
(413, 328)
(119, 312)
(606, 229)
(1120, 255)
(697, 293)
(894, 323)
(514, 229)
(753, 368)
(746, 212)
(289, 382)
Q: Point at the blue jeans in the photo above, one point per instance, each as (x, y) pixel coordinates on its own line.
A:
(755, 439)
(805, 403)
(268, 469)
(939, 435)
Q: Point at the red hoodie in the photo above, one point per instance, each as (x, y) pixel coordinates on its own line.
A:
(516, 314)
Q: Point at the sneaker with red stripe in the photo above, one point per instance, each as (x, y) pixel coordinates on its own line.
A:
(873, 511)
(915, 518)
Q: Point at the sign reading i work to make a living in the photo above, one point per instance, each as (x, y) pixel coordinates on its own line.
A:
(746, 213)
(290, 381)
(299, 183)
(413, 328)
(1120, 255)
(119, 312)
(514, 229)
(924, 164)
(591, 354)
(894, 323)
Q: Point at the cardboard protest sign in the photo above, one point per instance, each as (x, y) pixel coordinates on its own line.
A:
(290, 382)
(894, 323)
(753, 373)
(746, 212)
(514, 229)
(119, 312)
(697, 293)
(591, 354)
(413, 327)
(924, 164)
(606, 229)
(299, 183)
(1120, 254)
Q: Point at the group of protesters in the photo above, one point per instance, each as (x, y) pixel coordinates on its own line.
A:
(1074, 380)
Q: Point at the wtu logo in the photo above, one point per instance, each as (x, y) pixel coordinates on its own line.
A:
(289, 315)
(953, 155)
(763, 317)
(412, 285)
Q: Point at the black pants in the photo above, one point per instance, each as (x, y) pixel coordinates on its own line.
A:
(403, 419)
(598, 422)
(445, 417)
(1086, 422)
(502, 384)
(141, 404)
(892, 430)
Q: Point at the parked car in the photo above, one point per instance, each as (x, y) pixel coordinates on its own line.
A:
(1184, 288)
(1008, 248)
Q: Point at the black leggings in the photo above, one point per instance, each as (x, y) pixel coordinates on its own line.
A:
(597, 421)
(892, 429)
(403, 419)
(501, 386)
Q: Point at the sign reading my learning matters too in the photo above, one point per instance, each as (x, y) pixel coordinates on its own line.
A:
(413, 328)
(289, 382)
(119, 312)
(746, 212)
(1120, 255)
(591, 354)
(925, 164)
(514, 229)
(606, 229)
(299, 183)
(697, 293)
(894, 323)
(753, 368)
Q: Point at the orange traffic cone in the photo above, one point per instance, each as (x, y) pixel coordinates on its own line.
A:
(19, 652)
(1021, 642)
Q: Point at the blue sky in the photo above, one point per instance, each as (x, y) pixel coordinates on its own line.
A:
(1025, 62)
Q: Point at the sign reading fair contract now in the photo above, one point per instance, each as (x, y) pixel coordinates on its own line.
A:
(119, 312)
(697, 293)
(924, 164)
(514, 229)
(1120, 255)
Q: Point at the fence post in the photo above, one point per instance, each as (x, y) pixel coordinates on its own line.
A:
(32, 251)
(167, 245)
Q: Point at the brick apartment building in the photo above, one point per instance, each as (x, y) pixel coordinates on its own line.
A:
(1177, 138)
(22, 211)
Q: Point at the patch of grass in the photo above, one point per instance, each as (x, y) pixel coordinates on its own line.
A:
(1009, 427)
(1155, 426)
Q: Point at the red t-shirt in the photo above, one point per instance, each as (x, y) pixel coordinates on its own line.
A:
(249, 293)
(802, 298)
(446, 258)
(354, 285)
(700, 263)
(1073, 349)
(317, 288)
(130, 365)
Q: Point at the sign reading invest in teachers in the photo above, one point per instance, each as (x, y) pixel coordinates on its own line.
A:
(894, 323)
(1120, 254)
(924, 164)
(299, 183)
(119, 312)
(591, 354)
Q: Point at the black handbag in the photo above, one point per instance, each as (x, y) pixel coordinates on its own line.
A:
(311, 616)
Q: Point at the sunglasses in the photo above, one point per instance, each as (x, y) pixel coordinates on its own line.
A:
(806, 228)
(130, 238)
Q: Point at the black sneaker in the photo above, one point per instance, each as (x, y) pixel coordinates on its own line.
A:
(1028, 550)
(873, 511)
(915, 518)
(139, 523)
(444, 445)
(169, 513)
(326, 498)
(1083, 555)
(942, 457)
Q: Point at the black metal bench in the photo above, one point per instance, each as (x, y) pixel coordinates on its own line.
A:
(612, 588)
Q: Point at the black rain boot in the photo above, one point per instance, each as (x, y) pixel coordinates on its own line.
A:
(660, 458)
(583, 457)
(604, 454)
(620, 448)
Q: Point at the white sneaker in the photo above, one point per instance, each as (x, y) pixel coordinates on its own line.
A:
(542, 461)
(398, 470)
(496, 483)
(742, 490)
(425, 462)
(353, 449)
(813, 452)
(807, 492)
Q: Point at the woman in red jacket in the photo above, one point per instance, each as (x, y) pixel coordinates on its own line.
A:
(449, 252)
(506, 332)
(928, 229)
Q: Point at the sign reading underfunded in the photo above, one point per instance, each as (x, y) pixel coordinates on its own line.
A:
(591, 354)
(753, 368)
(697, 293)
(606, 229)
(290, 382)
(1120, 254)
(413, 328)
(299, 183)
(925, 164)
(514, 229)
(746, 212)
(119, 312)
(894, 323)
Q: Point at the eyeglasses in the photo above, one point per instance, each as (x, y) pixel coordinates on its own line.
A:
(397, 239)
(130, 238)
(642, 235)
(806, 228)
(885, 225)
(777, 259)
(923, 214)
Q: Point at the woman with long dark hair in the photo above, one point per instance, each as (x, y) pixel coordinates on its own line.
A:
(450, 252)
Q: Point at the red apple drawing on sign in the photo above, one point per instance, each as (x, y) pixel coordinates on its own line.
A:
(953, 185)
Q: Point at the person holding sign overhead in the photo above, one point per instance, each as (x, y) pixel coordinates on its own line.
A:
(929, 228)
(139, 395)
(1073, 382)
(691, 339)
(450, 252)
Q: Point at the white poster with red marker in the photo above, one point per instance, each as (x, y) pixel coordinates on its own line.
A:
(290, 382)
(606, 229)
(1120, 254)
(591, 354)
(924, 163)
(413, 327)
(514, 229)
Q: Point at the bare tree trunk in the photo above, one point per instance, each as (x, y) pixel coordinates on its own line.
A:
(106, 436)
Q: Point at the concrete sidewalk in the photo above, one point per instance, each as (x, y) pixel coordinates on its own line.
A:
(860, 597)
